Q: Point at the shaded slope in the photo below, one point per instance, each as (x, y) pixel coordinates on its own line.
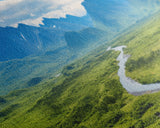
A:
(27, 40)
(16, 74)
(70, 23)
(112, 16)
(84, 39)
(116, 15)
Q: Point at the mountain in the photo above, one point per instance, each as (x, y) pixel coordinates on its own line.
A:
(27, 40)
(69, 23)
(114, 16)
(88, 93)
(47, 60)
(63, 74)
(85, 38)
(28, 52)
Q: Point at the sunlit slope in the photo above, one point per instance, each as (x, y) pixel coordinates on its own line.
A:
(143, 44)
(78, 99)
(87, 94)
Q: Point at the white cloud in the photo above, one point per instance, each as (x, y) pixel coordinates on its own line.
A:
(4, 5)
(31, 12)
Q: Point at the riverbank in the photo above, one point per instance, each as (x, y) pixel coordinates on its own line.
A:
(129, 84)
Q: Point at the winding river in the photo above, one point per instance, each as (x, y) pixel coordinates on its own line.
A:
(130, 85)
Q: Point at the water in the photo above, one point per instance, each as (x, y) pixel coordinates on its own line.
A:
(129, 84)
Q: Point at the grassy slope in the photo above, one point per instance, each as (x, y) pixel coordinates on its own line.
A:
(81, 96)
(89, 94)
(143, 44)
(16, 74)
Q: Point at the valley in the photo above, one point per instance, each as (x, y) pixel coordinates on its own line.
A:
(28, 52)
(60, 75)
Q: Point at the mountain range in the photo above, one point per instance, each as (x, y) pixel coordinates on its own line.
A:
(61, 75)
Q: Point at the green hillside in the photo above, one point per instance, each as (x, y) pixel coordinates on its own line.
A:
(16, 74)
(88, 93)
(50, 49)
(143, 44)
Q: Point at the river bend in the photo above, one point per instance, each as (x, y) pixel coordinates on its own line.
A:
(129, 84)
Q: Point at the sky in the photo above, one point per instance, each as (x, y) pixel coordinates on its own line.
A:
(31, 12)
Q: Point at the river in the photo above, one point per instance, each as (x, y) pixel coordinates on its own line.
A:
(129, 84)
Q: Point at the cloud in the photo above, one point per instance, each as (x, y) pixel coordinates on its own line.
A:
(32, 12)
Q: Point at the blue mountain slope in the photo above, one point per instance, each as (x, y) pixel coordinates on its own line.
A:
(70, 23)
(112, 16)
(16, 74)
(84, 38)
(115, 15)
(26, 40)
(29, 40)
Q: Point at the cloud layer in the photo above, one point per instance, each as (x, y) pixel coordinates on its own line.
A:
(31, 12)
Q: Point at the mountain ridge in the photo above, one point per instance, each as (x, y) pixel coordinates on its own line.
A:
(87, 94)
